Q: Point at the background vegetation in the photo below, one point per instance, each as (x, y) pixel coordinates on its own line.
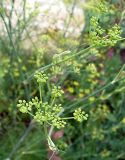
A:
(92, 80)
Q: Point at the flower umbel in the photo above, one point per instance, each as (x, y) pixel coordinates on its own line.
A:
(101, 37)
(80, 115)
(57, 91)
(41, 77)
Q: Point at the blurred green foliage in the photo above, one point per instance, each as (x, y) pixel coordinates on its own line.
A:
(86, 81)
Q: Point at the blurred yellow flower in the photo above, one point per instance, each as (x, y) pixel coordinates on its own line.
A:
(70, 89)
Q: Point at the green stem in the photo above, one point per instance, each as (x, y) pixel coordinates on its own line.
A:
(40, 91)
(21, 140)
(45, 130)
(117, 76)
(68, 118)
(31, 114)
(54, 64)
(93, 93)
(53, 101)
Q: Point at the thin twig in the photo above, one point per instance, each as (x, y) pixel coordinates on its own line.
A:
(70, 17)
